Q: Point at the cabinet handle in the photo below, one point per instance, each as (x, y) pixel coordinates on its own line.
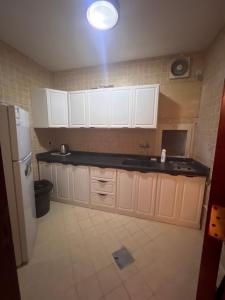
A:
(100, 194)
(102, 181)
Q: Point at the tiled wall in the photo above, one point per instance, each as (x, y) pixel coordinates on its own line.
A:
(18, 76)
(179, 103)
(212, 90)
(179, 99)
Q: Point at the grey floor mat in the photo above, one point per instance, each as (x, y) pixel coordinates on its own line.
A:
(122, 257)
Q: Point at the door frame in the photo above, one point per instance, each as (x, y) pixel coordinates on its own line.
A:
(212, 247)
(9, 285)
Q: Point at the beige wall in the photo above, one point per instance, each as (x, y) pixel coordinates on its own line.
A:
(18, 76)
(178, 103)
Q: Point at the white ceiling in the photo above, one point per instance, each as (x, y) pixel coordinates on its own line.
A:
(55, 33)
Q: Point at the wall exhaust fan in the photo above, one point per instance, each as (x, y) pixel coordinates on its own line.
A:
(180, 67)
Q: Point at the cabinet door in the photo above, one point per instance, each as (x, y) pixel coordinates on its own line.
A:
(47, 171)
(63, 186)
(191, 201)
(57, 108)
(120, 107)
(145, 110)
(169, 189)
(98, 108)
(145, 194)
(125, 190)
(80, 184)
(77, 109)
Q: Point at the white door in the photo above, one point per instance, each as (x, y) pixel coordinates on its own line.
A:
(98, 108)
(77, 109)
(191, 201)
(145, 110)
(120, 107)
(57, 108)
(24, 187)
(80, 184)
(169, 189)
(125, 190)
(47, 171)
(63, 187)
(146, 193)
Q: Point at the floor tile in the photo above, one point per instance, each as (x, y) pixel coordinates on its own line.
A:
(138, 289)
(82, 270)
(108, 279)
(89, 289)
(72, 258)
(119, 293)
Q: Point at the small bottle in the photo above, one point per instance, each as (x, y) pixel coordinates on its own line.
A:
(163, 156)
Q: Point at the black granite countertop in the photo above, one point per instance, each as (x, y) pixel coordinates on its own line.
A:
(174, 166)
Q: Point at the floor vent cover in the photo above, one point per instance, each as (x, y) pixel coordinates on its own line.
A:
(122, 257)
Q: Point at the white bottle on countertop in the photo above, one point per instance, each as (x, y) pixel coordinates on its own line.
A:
(163, 156)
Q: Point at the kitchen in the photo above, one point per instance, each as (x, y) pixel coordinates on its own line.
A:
(116, 113)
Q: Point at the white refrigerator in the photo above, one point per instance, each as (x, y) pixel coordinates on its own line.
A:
(15, 141)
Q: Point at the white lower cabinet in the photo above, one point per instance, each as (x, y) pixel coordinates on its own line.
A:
(169, 191)
(191, 201)
(163, 197)
(145, 194)
(63, 185)
(47, 172)
(103, 187)
(126, 185)
(179, 199)
(80, 184)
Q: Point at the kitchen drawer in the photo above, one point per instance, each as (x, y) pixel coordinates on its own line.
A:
(109, 174)
(102, 185)
(102, 199)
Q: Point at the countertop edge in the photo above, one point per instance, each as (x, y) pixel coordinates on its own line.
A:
(47, 157)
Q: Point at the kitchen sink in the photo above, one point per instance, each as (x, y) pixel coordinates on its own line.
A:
(183, 166)
(139, 162)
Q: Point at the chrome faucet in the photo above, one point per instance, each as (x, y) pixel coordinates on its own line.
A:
(145, 146)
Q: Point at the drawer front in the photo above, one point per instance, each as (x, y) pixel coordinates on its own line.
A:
(103, 173)
(102, 199)
(101, 185)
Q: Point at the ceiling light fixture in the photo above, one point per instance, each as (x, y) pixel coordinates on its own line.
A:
(103, 14)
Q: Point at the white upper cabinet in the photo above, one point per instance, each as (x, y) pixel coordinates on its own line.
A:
(98, 108)
(49, 108)
(145, 110)
(121, 107)
(77, 109)
(129, 107)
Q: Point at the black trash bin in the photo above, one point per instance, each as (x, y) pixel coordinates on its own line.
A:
(42, 189)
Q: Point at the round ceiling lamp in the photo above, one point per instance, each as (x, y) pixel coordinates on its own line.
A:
(103, 14)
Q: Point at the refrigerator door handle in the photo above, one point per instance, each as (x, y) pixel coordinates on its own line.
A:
(24, 159)
(28, 169)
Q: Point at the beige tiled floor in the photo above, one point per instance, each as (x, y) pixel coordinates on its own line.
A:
(73, 258)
